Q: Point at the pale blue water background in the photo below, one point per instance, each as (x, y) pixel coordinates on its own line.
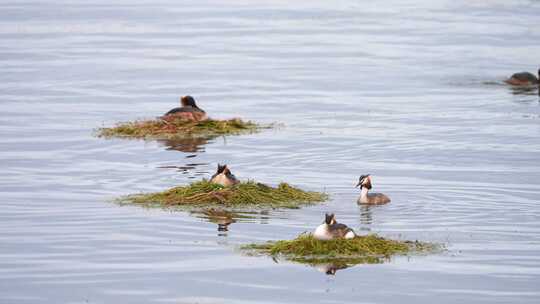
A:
(405, 90)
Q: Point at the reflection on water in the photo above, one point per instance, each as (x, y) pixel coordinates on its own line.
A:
(222, 218)
(264, 217)
(366, 216)
(331, 268)
(381, 86)
(188, 145)
(525, 90)
(225, 217)
(192, 170)
(515, 90)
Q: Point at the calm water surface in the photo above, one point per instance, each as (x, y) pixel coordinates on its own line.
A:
(408, 91)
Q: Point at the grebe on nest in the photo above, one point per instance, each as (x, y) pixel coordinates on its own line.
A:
(330, 229)
(224, 177)
(189, 110)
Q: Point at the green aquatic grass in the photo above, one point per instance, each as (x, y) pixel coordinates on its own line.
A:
(244, 194)
(171, 128)
(367, 249)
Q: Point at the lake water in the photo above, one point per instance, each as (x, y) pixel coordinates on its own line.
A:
(409, 91)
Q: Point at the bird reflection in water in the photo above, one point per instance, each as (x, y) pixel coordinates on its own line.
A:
(222, 218)
(188, 145)
(264, 217)
(366, 216)
(525, 90)
(331, 268)
(189, 169)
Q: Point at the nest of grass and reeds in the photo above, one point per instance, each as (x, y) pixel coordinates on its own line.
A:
(341, 253)
(245, 194)
(176, 127)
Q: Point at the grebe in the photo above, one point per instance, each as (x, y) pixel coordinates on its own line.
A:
(189, 110)
(370, 198)
(330, 229)
(523, 79)
(224, 177)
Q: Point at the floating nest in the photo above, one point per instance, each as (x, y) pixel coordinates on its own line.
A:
(339, 253)
(244, 194)
(176, 127)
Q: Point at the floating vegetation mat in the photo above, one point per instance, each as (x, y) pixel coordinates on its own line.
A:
(174, 127)
(244, 194)
(339, 253)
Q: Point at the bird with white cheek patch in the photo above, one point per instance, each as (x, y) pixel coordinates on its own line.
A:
(330, 229)
(370, 198)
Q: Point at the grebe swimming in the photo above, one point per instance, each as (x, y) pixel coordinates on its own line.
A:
(523, 79)
(370, 198)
